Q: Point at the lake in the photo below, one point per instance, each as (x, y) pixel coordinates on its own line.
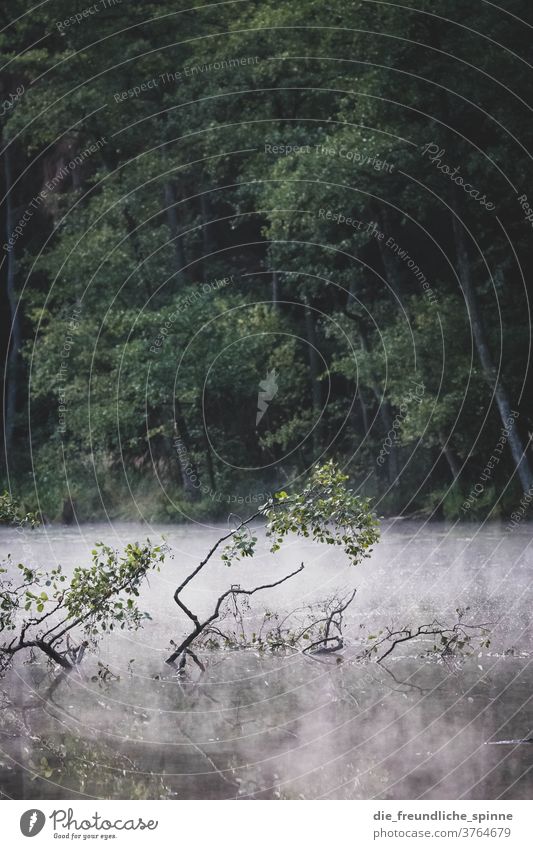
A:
(255, 725)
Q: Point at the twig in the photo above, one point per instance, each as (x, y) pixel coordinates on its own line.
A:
(201, 626)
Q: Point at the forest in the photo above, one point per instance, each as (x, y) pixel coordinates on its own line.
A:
(245, 238)
(265, 337)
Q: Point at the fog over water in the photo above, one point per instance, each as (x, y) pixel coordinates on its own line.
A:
(285, 725)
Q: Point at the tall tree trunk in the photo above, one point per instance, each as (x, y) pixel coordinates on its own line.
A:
(384, 407)
(182, 444)
(518, 449)
(133, 235)
(275, 290)
(173, 226)
(364, 409)
(390, 265)
(449, 456)
(386, 417)
(207, 241)
(314, 368)
(110, 159)
(208, 457)
(14, 312)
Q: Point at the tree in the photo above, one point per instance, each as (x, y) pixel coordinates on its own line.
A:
(45, 611)
(54, 610)
(325, 511)
(237, 141)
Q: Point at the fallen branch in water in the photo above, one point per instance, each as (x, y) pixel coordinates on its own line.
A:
(451, 639)
(508, 742)
(335, 618)
(60, 618)
(200, 627)
(326, 511)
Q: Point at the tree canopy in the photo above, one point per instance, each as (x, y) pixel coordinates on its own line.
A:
(315, 212)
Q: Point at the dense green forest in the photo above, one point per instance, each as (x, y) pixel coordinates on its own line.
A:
(242, 238)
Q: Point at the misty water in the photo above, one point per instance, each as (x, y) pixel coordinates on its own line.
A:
(284, 725)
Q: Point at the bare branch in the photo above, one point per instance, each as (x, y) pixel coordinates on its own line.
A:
(454, 637)
(200, 627)
(189, 613)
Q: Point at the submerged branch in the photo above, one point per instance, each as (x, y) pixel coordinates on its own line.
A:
(233, 591)
(451, 638)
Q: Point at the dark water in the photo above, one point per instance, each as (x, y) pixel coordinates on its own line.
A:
(287, 726)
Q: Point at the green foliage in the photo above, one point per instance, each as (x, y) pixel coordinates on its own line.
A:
(242, 544)
(104, 595)
(12, 513)
(186, 189)
(44, 606)
(327, 512)
(324, 510)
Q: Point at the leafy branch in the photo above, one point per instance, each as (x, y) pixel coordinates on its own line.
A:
(11, 513)
(326, 510)
(446, 641)
(44, 609)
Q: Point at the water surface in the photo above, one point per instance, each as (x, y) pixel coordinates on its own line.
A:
(284, 725)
